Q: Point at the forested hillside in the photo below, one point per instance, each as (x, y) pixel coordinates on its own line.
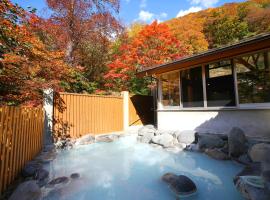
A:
(82, 47)
(219, 26)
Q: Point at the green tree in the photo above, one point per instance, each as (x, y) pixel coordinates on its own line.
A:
(224, 29)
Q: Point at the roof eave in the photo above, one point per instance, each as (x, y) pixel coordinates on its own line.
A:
(255, 44)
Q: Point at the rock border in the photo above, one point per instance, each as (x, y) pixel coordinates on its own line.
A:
(232, 146)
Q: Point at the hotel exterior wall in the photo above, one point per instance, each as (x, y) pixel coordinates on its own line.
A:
(255, 123)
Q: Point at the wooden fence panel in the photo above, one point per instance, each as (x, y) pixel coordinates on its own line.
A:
(21, 135)
(84, 114)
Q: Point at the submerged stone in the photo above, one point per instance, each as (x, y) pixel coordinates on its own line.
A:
(58, 181)
(75, 176)
(180, 185)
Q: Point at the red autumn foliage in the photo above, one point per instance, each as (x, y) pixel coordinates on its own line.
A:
(26, 65)
(153, 45)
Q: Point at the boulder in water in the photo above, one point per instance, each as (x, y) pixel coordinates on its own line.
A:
(146, 129)
(237, 142)
(260, 152)
(180, 185)
(186, 137)
(250, 191)
(146, 137)
(210, 142)
(165, 140)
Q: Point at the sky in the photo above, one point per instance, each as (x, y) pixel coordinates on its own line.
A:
(143, 10)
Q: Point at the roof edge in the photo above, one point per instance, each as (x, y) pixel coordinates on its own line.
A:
(210, 52)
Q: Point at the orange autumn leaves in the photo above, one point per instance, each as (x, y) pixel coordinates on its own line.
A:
(153, 45)
(26, 65)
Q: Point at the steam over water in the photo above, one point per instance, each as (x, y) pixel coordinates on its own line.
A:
(127, 170)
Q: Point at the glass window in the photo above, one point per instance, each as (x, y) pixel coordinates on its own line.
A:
(192, 87)
(253, 77)
(170, 89)
(220, 84)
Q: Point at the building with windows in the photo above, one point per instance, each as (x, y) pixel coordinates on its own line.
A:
(216, 90)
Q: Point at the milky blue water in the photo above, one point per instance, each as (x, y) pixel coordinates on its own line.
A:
(127, 170)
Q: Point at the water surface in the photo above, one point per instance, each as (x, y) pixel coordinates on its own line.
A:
(127, 170)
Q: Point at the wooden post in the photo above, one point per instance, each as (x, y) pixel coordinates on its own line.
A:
(48, 122)
(125, 95)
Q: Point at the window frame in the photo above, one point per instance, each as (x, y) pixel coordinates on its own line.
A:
(265, 105)
(238, 106)
(204, 97)
(233, 74)
(160, 94)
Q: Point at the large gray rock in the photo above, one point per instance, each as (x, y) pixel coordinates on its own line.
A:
(250, 192)
(146, 138)
(162, 132)
(146, 133)
(31, 168)
(180, 185)
(86, 139)
(247, 190)
(254, 169)
(104, 138)
(210, 142)
(260, 153)
(186, 137)
(165, 140)
(146, 129)
(237, 142)
(28, 190)
(216, 154)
